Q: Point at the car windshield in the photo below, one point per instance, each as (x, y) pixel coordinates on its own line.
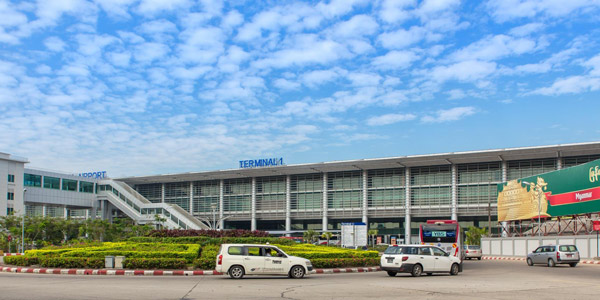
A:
(568, 248)
(401, 250)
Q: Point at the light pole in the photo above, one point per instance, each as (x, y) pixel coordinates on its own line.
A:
(489, 207)
(539, 208)
(23, 224)
(213, 206)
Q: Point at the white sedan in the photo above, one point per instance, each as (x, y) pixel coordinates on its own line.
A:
(419, 259)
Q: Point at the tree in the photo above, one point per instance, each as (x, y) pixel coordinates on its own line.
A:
(159, 221)
(373, 233)
(474, 235)
(327, 235)
(310, 235)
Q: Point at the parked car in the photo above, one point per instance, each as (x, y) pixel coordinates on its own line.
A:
(238, 260)
(418, 259)
(472, 251)
(551, 255)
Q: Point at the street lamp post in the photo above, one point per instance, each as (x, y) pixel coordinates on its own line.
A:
(539, 209)
(214, 216)
(489, 207)
(23, 225)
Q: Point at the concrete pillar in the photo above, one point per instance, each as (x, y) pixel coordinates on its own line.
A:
(407, 206)
(325, 221)
(253, 205)
(221, 198)
(191, 206)
(44, 211)
(504, 179)
(288, 204)
(87, 213)
(162, 193)
(102, 210)
(365, 196)
(454, 192)
(66, 213)
(559, 163)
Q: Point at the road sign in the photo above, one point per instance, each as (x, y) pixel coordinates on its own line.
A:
(596, 225)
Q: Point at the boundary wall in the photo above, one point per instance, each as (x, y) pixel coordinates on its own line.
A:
(521, 246)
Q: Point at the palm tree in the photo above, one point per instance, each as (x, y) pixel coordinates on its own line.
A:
(327, 235)
(310, 235)
(372, 233)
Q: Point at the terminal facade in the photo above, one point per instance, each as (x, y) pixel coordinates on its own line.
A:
(393, 195)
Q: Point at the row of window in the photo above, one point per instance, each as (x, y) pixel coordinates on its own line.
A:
(55, 183)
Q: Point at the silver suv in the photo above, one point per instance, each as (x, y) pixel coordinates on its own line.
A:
(552, 255)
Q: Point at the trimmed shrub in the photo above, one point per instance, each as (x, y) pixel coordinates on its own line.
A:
(203, 241)
(208, 258)
(154, 263)
(72, 262)
(344, 262)
(21, 260)
(206, 233)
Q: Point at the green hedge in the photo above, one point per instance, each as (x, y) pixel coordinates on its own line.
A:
(208, 258)
(344, 262)
(21, 260)
(203, 240)
(154, 263)
(72, 262)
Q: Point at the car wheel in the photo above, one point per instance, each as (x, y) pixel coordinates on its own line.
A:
(551, 263)
(454, 269)
(391, 273)
(429, 274)
(297, 272)
(236, 272)
(417, 270)
(529, 262)
(573, 265)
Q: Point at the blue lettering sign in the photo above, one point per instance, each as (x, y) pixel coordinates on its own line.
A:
(263, 162)
(94, 175)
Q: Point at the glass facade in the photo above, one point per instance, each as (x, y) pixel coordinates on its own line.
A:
(152, 192)
(237, 196)
(206, 196)
(32, 180)
(178, 193)
(51, 183)
(69, 185)
(86, 187)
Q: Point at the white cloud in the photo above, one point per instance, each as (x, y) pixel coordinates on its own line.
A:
(337, 8)
(505, 10)
(453, 114)
(285, 84)
(470, 70)
(148, 52)
(395, 60)
(389, 119)
(593, 64)
(54, 44)
(202, 45)
(364, 79)
(494, 47)
(394, 11)
(119, 59)
(309, 50)
(315, 78)
(152, 7)
(456, 94)
(402, 38)
(359, 25)
(116, 8)
(232, 19)
(527, 29)
(570, 85)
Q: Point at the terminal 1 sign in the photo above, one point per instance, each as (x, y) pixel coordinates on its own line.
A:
(263, 162)
(570, 191)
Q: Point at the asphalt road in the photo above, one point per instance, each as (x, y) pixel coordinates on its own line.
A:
(480, 280)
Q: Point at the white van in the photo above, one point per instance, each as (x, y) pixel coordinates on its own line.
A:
(238, 260)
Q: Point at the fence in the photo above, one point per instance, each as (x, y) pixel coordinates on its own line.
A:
(521, 246)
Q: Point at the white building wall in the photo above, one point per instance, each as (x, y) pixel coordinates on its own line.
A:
(13, 166)
(521, 246)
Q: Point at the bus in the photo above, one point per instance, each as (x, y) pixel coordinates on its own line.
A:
(444, 234)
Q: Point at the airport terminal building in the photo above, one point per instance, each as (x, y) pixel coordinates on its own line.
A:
(393, 195)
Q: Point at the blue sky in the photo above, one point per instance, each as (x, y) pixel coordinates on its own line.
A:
(164, 86)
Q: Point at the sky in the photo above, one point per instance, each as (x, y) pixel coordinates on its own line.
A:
(144, 87)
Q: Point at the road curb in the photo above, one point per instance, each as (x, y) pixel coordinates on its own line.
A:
(155, 272)
(587, 262)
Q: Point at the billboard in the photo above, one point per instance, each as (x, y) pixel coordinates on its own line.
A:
(570, 191)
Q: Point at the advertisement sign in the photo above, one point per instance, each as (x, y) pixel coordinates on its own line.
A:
(354, 234)
(596, 225)
(378, 240)
(570, 191)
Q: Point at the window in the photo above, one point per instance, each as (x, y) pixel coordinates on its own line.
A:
(9, 211)
(51, 183)
(10, 196)
(538, 250)
(424, 251)
(438, 252)
(568, 248)
(253, 251)
(235, 250)
(11, 178)
(69, 185)
(401, 250)
(86, 187)
(32, 180)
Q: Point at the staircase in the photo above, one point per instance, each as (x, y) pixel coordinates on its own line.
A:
(142, 211)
